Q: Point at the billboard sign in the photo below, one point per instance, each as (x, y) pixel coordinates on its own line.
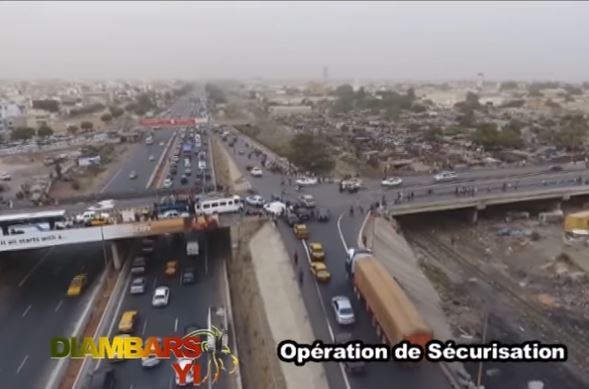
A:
(168, 122)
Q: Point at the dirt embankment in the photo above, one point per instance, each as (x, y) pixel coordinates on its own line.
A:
(259, 366)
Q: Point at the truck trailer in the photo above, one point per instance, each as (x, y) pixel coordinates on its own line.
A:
(395, 317)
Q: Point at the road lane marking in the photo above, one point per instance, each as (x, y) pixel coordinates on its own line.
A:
(144, 327)
(341, 365)
(114, 177)
(339, 229)
(58, 305)
(131, 387)
(176, 325)
(170, 383)
(22, 282)
(27, 310)
(22, 364)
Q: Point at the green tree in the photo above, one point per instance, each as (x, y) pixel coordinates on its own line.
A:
(507, 85)
(106, 118)
(87, 126)
(486, 135)
(309, 153)
(22, 133)
(433, 134)
(44, 131)
(116, 112)
(72, 129)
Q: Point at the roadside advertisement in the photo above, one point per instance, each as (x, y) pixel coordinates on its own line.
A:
(155, 227)
(34, 240)
(196, 358)
(172, 122)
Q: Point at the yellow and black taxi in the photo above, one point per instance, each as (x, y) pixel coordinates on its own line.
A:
(127, 322)
(316, 251)
(319, 270)
(300, 231)
(77, 285)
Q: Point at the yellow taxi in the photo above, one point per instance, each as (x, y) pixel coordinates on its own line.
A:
(319, 270)
(316, 251)
(171, 268)
(99, 221)
(127, 322)
(77, 284)
(301, 231)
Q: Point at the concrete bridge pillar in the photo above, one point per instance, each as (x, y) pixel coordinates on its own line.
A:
(116, 255)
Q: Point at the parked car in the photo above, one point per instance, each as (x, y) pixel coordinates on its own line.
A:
(342, 308)
(301, 231)
(256, 172)
(306, 181)
(316, 251)
(319, 270)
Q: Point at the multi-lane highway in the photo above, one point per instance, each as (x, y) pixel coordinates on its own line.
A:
(34, 307)
(335, 237)
(188, 305)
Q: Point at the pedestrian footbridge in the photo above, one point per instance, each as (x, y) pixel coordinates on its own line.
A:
(108, 233)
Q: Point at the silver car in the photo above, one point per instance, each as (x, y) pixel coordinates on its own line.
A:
(138, 285)
(342, 307)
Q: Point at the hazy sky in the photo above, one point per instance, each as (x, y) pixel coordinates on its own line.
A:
(399, 41)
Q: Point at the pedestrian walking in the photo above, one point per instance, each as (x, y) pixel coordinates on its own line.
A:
(296, 258)
(300, 276)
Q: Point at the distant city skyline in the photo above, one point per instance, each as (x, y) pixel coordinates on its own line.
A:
(400, 42)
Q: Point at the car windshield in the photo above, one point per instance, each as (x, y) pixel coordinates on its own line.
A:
(346, 311)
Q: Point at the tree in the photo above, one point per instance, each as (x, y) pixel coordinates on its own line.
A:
(488, 136)
(116, 112)
(513, 104)
(22, 133)
(46, 105)
(87, 126)
(507, 85)
(106, 118)
(433, 134)
(309, 153)
(44, 131)
(72, 129)
(573, 90)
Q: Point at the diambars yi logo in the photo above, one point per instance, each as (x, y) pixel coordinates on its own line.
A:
(184, 352)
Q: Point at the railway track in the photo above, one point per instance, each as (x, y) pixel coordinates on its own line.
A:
(576, 342)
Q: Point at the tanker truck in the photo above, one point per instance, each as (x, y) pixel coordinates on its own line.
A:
(395, 317)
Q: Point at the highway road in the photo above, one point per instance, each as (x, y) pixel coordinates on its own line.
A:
(318, 298)
(34, 307)
(137, 157)
(188, 306)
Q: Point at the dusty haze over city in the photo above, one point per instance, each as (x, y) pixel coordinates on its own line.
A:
(397, 41)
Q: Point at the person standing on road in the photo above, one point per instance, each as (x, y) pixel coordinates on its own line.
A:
(300, 276)
(296, 258)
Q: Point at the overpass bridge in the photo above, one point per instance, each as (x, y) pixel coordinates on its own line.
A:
(482, 201)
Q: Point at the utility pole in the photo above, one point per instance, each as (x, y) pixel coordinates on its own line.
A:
(485, 326)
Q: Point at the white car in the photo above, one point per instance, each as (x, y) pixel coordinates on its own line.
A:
(445, 176)
(306, 181)
(5, 177)
(256, 172)
(171, 214)
(102, 205)
(152, 359)
(254, 200)
(162, 144)
(161, 296)
(391, 181)
(202, 165)
(151, 157)
(276, 208)
(342, 307)
(182, 363)
(167, 183)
